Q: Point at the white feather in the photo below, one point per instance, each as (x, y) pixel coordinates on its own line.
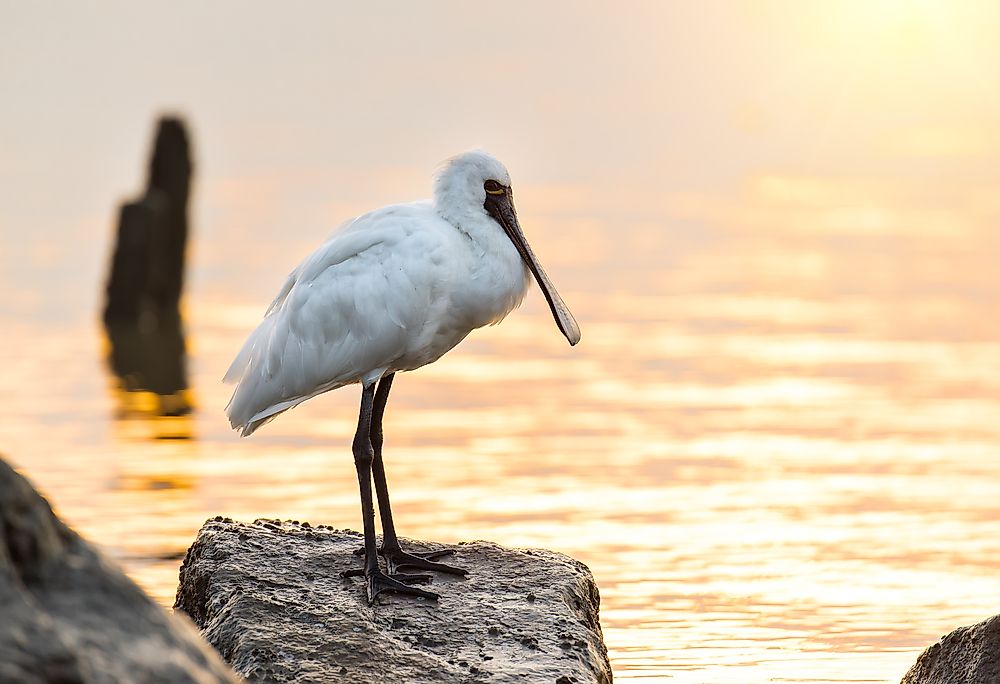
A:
(391, 291)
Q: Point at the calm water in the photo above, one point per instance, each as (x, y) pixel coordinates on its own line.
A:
(777, 447)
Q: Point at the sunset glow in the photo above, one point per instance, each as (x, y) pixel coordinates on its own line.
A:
(776, 221)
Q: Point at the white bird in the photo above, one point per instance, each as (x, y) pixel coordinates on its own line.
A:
(391, 291)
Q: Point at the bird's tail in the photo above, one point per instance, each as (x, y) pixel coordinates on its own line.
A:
(251, 395)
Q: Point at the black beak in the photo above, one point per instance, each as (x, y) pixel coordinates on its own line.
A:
(501, 208)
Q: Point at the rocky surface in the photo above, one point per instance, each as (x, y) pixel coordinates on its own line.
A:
(968, 655)
(270, 597)
(68, 615)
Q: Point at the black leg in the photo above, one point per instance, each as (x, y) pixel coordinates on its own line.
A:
(378, 467)
(375, 579)
(394, 555)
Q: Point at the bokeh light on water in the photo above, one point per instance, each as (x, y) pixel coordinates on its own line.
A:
(777, 444)
(767, 483)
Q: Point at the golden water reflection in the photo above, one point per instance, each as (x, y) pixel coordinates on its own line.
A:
(780, 466)
(149, 379)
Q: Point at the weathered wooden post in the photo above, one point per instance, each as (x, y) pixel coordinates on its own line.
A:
(170, 178)
(142, 306)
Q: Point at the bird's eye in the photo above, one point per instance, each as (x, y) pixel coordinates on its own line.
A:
(493, 188)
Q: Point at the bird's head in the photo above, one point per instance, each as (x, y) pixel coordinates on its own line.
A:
(476, 182)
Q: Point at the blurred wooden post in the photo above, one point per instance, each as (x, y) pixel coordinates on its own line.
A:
(142, 305)
(170, 177)
(147, 269)
(140, 223)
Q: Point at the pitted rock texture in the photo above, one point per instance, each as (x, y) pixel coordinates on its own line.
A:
(968, 655)
(270, 597)
(68, 615)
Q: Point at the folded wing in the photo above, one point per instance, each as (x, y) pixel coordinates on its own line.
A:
(349, 310)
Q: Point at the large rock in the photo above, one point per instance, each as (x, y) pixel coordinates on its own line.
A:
(969, 655)
(68, 615)
(270, 597)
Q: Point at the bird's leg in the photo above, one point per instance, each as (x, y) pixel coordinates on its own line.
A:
(376, 580)
(391, 550)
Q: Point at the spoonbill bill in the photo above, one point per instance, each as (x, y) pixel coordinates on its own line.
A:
(391, 291)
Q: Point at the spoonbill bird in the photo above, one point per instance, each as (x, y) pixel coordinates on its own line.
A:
(391, 291)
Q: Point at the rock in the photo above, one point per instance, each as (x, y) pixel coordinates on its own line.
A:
(68, 615)
(270, 597)
(968, 655)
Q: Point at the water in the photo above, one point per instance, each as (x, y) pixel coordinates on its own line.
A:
(777, 445)
(777, 452)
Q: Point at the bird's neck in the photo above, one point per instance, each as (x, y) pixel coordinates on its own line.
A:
(498, 278)
(471, 221)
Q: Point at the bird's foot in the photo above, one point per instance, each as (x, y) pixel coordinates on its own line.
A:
(397, 558)
(400, 582)
(421, 560)
(379, 582)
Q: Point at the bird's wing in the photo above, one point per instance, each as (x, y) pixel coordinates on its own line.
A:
(239, 364)
(350, 309)
(285, 289)
(350, 239)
